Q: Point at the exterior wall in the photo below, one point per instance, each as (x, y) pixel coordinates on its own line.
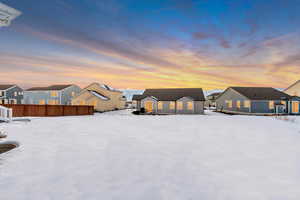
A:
(231, 94)
(68, 93)
(185, 109)
(14, 93)
(263, 107)
(34, 97)
(116, 97)
(294, 90)
(116, 100)
(154, 103)
(198, 106)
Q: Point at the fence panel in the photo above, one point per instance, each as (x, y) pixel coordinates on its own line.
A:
(26, 110)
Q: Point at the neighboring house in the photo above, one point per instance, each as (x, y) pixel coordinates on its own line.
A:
(102, 97)
(136, 100)
(11, 94)
(256, 100)
(294, 89)
(211, 99)
(171, 101)
(51, 95)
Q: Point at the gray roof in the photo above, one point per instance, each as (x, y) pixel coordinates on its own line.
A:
(261, 93)
(51, 87)
(5, 87)
(137, 97)
(173, 94)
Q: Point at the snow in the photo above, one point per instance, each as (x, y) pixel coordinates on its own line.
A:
(117, 155)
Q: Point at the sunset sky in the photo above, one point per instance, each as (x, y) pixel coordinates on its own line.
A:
(140, 44)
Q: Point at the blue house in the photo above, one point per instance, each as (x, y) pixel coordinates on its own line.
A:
(52, 95)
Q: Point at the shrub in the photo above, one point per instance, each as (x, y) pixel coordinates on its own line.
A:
(136, 112)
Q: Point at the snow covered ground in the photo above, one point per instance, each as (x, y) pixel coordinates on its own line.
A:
(123, 157)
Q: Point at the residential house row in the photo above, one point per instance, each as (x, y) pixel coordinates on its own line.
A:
(101, 96)
(234, 100)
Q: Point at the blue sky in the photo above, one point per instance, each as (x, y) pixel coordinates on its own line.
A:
(152, 43)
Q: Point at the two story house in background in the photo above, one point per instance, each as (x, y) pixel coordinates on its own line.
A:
(257, 101)
(52, 95)
(11, 94)
(171, 101)
(101, 96)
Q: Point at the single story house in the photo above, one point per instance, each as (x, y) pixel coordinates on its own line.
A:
(171, 101)
(11, 94)
(52, 95)
(256, 100)
(101, 96)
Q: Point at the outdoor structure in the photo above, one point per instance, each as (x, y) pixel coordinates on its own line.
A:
(171, 101)
(256, 100)
(51, 95)
(294, 89)
(7, 14)
(136, 100)
(6, 114)
(11, 94)
(102, 97)
(211, 99)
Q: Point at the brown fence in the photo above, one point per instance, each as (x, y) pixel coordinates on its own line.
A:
(26, 110)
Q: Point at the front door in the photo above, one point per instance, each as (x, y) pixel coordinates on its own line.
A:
(149, 106)
(295, 107)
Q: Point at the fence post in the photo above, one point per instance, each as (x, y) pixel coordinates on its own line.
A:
(10, 114)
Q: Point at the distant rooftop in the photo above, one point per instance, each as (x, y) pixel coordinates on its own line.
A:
(51, 87)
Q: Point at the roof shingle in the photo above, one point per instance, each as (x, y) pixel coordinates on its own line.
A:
(173, 94)
(5, 86)
(51, 87)
(261, 93)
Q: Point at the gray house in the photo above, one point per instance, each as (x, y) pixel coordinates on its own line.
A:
(11, 94)
(171, 101)
(256, 100)
(52, 95)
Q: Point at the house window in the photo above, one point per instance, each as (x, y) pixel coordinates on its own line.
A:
(295, 107)
(247, 104)
(172, 105)
(54, 94)
(190, 105)
(283, 102)
(15, 94)
(160, 105)
(42, 102)
(73, 94)
(81, 102)
(228, 103)
(95, 103)
(149, 106)
(2, 93)
(271, 104)
(13, 101)
(238, 104)
(179, 105)
(53, 102)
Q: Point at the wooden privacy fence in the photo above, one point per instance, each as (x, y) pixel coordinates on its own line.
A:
(27, 110)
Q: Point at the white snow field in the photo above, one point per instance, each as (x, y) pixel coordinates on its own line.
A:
(118, 156)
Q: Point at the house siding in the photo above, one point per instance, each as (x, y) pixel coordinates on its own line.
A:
(234, 96)
(66, 97)
(198, 106)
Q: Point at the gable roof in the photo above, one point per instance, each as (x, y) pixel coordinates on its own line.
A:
(51, 87)
(98, 95)
(292, 85)
(215, 94)
(6, 86)
(261, 93)
(173, 94)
